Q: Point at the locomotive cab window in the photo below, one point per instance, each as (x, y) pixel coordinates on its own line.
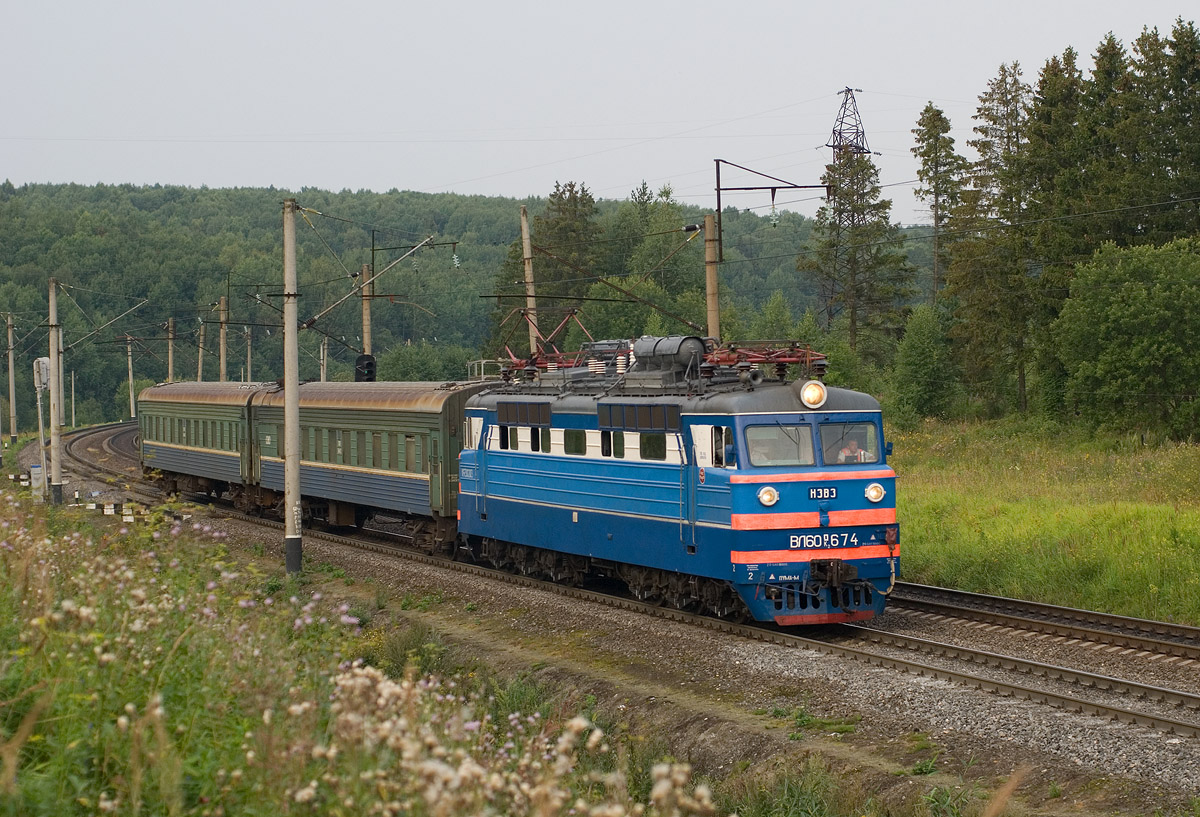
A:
(776, 445)
(843, 443)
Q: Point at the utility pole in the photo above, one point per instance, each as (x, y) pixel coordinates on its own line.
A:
(41, 381)
(710, 277)
(58, 370)
(324, 357)
(56, 491)
(530, 297)
(72, 398)
(129, 361)
(200, 356)
(368, 292)
(12, 385)
(170, 350)
(224, 311)
(293, 545)
(249, 339)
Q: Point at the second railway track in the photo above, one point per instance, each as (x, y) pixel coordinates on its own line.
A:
(1141, 635)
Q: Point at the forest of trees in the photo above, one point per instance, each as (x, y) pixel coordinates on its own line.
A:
(163, 252)
(1058, 274)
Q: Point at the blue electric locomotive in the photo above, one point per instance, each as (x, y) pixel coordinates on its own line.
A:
(698, 484)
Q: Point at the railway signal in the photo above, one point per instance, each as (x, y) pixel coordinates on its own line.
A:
(364, 369)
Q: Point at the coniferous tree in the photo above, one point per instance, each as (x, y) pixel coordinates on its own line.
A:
(565, 262)
(567, 229)
(1106, 190)
(855, 253)
(1146, 133)
(1183, 118)
(991, 273)
(941, 175)
(1051, 160)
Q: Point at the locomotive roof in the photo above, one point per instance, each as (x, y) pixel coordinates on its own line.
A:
(770, 397)
(394, 396)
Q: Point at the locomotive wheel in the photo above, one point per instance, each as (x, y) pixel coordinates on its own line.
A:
(643, 584)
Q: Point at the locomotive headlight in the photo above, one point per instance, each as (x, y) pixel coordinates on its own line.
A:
(813, 394)
(768, 495)
(875, 492)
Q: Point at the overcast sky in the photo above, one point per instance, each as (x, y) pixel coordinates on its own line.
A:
(505, 98)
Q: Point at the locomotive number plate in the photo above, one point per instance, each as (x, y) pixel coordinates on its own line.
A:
(807, 541)
(822, 493)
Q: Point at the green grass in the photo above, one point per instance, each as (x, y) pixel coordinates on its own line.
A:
(1100, 522)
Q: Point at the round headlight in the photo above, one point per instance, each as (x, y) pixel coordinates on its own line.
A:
(813, 394)
(768, 495)
(875, 492)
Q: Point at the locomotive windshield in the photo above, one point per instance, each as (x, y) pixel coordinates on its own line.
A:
(849, 442)
(780, 445)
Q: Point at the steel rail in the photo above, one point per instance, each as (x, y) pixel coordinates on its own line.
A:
(1161, 637)
(1049, 672)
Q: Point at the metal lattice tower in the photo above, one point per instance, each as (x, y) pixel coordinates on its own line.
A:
(848, 136)
(840, 283)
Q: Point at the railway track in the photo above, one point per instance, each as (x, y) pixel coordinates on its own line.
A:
(109, 450)
(1139, 635)
(1125, 701)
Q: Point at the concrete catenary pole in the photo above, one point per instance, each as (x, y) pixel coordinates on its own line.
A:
(200, 356)
(170, 350)
(41, 379)
(129, 362)
(368, 292)
(293, 546)
(72, 398)
(324, 358)
(224, 311)
(56, 489)
(530, 296)
(249, 348)
(710, 277)
(12, 385)
(58, 369)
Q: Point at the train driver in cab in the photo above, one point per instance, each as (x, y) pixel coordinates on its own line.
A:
(852, 453)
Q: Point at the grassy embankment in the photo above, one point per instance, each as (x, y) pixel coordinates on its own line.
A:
(1094, 521)
(146, 671)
